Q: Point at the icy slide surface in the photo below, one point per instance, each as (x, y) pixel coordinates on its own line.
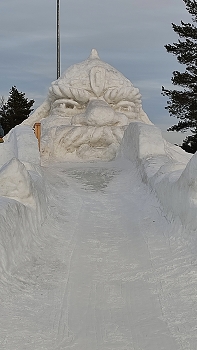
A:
(110, 272)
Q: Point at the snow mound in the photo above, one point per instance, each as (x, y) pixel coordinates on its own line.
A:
(23, 202)
(22, 144)
(16, 183)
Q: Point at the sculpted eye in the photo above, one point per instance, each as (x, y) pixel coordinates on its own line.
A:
(67, 103)
(125, 106)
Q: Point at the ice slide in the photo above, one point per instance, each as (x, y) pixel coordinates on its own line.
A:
(111, 272)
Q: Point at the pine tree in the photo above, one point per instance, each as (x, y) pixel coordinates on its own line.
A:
(15, 110)
(182, 103)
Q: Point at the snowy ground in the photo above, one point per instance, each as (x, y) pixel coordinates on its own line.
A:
(109, 271)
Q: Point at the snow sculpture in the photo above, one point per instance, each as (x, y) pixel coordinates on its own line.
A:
(87, 109)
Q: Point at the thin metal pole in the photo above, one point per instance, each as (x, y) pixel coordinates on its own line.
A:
(58, 39)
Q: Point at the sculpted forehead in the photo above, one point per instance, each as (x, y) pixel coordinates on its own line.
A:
(93, 78)
(84, 71)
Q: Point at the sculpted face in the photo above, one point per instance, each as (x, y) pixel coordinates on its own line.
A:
(91, 104)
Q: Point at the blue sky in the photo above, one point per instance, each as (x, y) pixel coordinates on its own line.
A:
(128, 34)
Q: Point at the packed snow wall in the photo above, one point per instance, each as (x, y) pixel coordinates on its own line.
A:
(167, 169)
(23, 202)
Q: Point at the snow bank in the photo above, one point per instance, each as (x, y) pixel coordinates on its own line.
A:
(23, 202)
(20, 143)
(171, 172)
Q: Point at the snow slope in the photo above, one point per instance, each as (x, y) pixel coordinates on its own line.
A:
(111, 273)
(92, 257)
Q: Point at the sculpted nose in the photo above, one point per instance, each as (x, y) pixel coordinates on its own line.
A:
(100, 113)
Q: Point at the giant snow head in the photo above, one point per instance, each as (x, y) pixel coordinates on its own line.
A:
(87, 111)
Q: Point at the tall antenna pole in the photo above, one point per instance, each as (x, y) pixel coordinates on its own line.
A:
(58, 39)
